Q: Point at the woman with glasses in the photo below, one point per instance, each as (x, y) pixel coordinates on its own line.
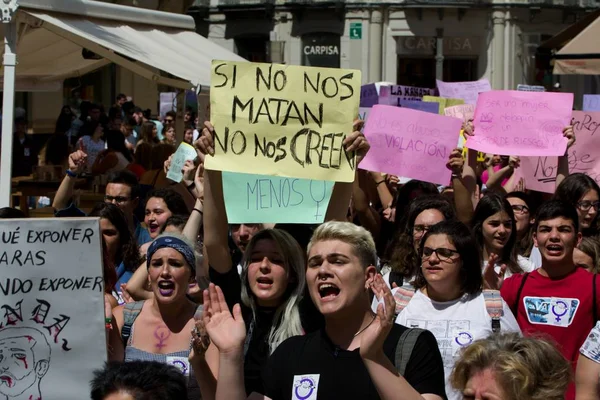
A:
(448, 299)
(423, 213)
(495, 232)
(582, 192)
(524, 211)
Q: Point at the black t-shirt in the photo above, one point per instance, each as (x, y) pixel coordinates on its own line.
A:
(258, 349)
(308, 363)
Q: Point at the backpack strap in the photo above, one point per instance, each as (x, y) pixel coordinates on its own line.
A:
(405, 347)
(130, 313)
(594, 306)
(515, 306)
(402, 296)
(493, 305)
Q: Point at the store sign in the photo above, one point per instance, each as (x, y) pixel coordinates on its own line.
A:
(321, 50)
(427, 45)
(356, 30)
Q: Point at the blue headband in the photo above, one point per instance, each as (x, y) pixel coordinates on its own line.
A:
(176, 244)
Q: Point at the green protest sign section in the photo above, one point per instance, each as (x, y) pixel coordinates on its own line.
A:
(272, 199)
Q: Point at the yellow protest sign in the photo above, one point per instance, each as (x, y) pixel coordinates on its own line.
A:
(443, 102)
(283, 120)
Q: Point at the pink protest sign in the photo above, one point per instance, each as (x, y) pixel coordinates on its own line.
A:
(468, 91)
(512, 123)
(584, 155)
(410, 143)
(463, 112)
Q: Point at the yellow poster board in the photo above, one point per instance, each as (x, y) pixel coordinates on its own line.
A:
(283, 120)
(443, 102)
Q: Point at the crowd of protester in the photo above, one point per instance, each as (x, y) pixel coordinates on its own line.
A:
(482, 289)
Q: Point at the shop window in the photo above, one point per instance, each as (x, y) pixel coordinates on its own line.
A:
(420, 72)
(253, 48)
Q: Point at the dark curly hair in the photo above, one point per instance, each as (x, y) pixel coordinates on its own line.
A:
(172, 199)
(129, 252)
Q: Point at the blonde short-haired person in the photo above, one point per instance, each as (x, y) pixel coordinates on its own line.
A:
(511, 367)
(354, 356)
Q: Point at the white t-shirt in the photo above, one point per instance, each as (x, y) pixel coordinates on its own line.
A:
(536, 257)
(455, 324)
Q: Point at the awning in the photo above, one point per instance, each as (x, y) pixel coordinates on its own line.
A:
(50, 47)
(581, 54)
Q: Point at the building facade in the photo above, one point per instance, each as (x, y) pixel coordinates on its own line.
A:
(409, 42)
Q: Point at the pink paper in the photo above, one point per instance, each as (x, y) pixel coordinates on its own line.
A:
(513, 123)
(584, 155)
(468, 91)
(463, 112)
(410, 143)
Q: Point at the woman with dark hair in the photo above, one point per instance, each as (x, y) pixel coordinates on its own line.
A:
(495, 231)
(582, 192)
(121, 246)
(115, 158)
(55, 151)
(64, 120)
(148, 134)
(524, 210)
(91, 142)
(423, 213)
(162, 204)
(447, 298)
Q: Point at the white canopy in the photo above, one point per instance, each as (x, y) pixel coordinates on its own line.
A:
(49, 36)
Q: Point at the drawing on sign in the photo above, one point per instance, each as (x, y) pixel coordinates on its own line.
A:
(24, 361)
(283, 120)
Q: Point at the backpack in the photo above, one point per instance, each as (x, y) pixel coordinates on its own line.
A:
(492, 298)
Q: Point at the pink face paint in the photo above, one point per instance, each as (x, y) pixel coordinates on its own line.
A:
(24, 360)
(29, 338)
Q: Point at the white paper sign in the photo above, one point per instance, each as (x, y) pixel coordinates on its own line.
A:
(184, 153)
(52, 334)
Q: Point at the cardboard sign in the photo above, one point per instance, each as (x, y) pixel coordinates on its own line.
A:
(591, 102)
(184, 153)
(283, 120)
(510, 122)
(410, 143)
(272, 199)
(443, 103)
(468, 91)
(464, 112)
(52, 334)
(584, 155)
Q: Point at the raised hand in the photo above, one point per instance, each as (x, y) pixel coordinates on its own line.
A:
(357, 142)
(570, 135)
(205, 145)
(226, 331)
(188, 171)
(372, 338)
(491, 278)
(167, 164)
(77, 161)
(514, 162)
(456, 162)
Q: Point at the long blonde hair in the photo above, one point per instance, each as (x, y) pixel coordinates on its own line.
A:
(286, 321)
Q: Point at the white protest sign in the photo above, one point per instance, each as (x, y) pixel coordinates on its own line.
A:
(52, 334)
(185, 152)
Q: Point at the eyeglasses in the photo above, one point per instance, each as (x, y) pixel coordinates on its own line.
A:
(116, 199)
(442, 253)
(520, 209)
(586, 205)
(421, 229)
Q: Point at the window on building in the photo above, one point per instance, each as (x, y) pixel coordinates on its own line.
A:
(253, 47)
(420, 71)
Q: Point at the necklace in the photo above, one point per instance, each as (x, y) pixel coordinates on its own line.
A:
(363, 329)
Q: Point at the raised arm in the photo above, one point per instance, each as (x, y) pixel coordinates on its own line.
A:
(216, 229)
(77, 162)
(495, 178)
(342, 191)
(562, 171)
(367, 216)
(463, 183)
